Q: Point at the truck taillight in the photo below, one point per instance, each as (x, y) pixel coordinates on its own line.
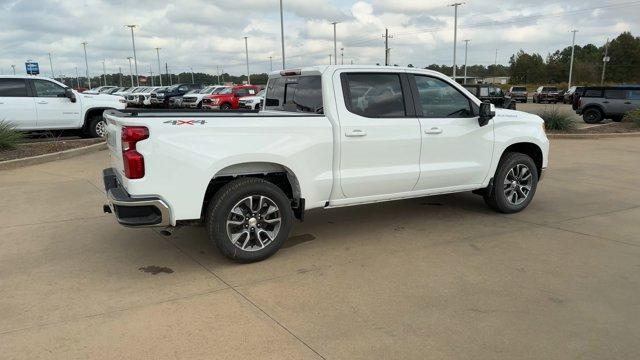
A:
(133, 161)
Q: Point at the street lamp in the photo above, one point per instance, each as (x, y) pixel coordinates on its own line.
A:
(335, 47)
(104, 73)
(246, 53)
(86, 63)
(466, 46)
(135, 59)
(282, 35)
(455, 35)
(573, 47)
(53, 76)
(159, 68)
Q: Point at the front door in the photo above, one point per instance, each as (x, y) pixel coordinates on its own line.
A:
(379, 134)
(55, 110)
(16, 104)
(456, 151)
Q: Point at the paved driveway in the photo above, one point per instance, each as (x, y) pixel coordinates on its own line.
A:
(437, 278)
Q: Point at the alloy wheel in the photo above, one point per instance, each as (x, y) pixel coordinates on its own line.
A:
(253, 223)
(101, 128)
(517, 184)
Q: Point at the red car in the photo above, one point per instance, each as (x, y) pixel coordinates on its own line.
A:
(228, 98)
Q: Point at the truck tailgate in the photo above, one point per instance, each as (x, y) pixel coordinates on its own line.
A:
(114, 143)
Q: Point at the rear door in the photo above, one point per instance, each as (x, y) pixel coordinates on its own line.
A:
(55, 110)
(16, 103)
(456, 151)
(379, 134)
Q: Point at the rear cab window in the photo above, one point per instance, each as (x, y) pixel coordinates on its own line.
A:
(297, 93)
(592, 93)
(13, 88)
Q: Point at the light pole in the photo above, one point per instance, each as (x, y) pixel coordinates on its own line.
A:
(192, 78)
(131, 71)
(14, 69)
(341, 56)
(271, 63)
(159, 68)
(151, 73)
(246, 54)
(605, 59)
(335, 46)
(218, 73)
(466, 46)
(77, 78)
(455, 35)
(330, 55)
(282, 35)
(86, 63)
(135, 59)
(120, 74)
(573, 47)
(104, 73)
(53, 76)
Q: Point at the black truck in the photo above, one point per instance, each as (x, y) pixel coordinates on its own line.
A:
(161, 97)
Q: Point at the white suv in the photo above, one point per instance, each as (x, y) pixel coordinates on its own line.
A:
(34, 103)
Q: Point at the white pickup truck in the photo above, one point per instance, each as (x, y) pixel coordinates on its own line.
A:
(329, 136)
(34, 103)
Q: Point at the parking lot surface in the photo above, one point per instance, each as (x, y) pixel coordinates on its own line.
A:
(431, 278)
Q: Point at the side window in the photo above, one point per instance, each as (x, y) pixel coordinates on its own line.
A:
(633, 95)
(615, 94)
(241, 92)
(484, 91)
(13, 88)
(440, 100)
(183, 88)
(275, 93)
(48, 89)
(294, 93)
(592, 93)
(375, 95)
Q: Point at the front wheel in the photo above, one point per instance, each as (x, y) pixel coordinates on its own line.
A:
(514, 184)
(249, 219)
(592, 116)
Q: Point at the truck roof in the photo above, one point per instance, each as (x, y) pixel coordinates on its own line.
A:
(320, 69)
(31, 77)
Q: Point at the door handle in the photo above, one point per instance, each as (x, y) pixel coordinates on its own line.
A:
(433, 131)
(355, 133)
(42, 102)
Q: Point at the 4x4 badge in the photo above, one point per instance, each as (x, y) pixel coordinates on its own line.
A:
(186, 122)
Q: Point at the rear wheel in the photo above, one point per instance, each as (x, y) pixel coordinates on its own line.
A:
(97, 127)
(248, 219)
(514, 184)
(225, 107)
(592, 116)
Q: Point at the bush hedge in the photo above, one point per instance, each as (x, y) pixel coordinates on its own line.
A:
(554, 120)
(9, 136)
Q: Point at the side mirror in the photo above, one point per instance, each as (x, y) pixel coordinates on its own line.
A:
(487, 112)
(69, 93)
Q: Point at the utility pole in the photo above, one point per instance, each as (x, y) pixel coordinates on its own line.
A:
(135, 58)
(218, 73)
(77, 78)
(466, 47)
(271, 63)
(159, 68)
(386, 46)
(495, 66)
(14, 69)
(104, 73)
(573, 47)
(166, 67)
(246, 54)
(341, 56)
(192, 78)
(53, 76)
(455, 35)
(335, 44)
(86, 63)
(120, 74)
(330, 58)
(131, 71)
(151, 72)
(282, 35)
(605, 60)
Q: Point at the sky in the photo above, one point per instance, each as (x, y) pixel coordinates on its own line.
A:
(208, 35)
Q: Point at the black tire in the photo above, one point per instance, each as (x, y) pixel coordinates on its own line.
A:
(226, 199)
(225, 107)
(617, 118)
(96, 126)
(592, 116)
(495, 196)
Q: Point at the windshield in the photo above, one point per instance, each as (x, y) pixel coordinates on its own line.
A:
(226, 91)
(295, 93)
(219, 90)
(519, 88)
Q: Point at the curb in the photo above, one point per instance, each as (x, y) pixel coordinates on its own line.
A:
(61, 155)
(593, 136)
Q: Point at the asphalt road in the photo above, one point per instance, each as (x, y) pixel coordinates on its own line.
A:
(431, 278)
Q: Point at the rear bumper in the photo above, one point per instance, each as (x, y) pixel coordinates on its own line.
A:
(133, 212)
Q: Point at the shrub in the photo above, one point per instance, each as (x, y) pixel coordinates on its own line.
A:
(9, 136)
(554, 120)
(633, 116)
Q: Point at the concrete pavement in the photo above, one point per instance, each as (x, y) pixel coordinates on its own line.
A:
(431, 278)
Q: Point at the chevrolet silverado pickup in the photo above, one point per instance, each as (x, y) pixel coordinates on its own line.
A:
(328, 136)
(35, 103)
